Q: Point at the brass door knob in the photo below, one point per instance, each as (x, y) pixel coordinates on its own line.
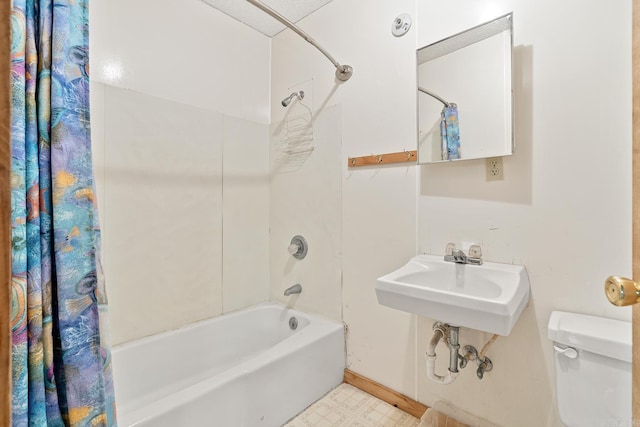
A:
(622, 291)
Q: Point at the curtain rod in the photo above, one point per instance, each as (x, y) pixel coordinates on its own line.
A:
(343, 72)
(423, 90)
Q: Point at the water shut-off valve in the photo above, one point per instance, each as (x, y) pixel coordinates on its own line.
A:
(470, 353)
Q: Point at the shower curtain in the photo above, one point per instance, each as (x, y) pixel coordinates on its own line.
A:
(450, 132)
(60, 360)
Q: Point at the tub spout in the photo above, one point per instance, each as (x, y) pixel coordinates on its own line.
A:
(295, 289)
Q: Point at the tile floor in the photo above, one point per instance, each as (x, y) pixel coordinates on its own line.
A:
(347, 406)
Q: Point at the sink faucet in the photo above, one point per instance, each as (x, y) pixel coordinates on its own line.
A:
(295, 289)
(459, 257)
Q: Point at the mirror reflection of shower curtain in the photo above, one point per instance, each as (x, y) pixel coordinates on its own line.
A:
(450, 132)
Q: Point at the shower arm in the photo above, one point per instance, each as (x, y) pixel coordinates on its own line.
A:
(343, 72)
(433, 95)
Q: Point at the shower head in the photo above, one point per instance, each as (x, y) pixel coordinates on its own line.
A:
(287, 100)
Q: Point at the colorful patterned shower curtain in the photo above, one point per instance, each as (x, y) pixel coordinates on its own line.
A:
(61, 363)
(450, 132)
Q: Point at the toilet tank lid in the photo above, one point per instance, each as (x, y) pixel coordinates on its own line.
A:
(608, 337)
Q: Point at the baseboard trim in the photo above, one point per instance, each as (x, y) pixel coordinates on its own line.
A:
(384, 393)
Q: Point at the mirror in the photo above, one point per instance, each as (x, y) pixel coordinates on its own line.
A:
(464, 95)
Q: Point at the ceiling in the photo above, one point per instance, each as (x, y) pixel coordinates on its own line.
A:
(245, 12)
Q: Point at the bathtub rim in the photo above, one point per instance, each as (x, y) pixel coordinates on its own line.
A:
(312, 317)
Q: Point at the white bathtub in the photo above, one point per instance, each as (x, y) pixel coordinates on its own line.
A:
(246, 368)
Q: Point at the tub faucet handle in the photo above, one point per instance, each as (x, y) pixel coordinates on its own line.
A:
(293, 248)
(298, 247)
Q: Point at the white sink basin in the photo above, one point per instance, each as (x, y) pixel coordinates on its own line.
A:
(488, 297)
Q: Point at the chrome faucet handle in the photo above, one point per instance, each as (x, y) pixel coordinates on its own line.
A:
(298, 247)
(448, 252)
(293, 248)
(475, 255)
(475, 251)
(449, 248)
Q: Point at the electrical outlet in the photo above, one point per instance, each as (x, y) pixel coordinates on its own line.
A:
(495, 172)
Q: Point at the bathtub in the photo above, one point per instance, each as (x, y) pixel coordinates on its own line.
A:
(247, 368)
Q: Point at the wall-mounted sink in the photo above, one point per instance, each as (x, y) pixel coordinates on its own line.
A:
(487, 297)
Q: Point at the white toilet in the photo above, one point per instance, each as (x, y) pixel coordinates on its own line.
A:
(593, 369)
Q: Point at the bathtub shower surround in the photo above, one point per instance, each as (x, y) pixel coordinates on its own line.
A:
(170, 142)
(305, 200)
(244, 369)
(174, 161)
(60, 358)
(164, 159)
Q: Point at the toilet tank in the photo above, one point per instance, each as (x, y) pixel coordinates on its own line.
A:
(593, 369)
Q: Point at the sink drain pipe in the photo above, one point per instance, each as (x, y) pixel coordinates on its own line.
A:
(450, 336)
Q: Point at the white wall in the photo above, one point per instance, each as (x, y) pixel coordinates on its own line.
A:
(378, 204)
(185, 51)
(180, 133)
(564, 207)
